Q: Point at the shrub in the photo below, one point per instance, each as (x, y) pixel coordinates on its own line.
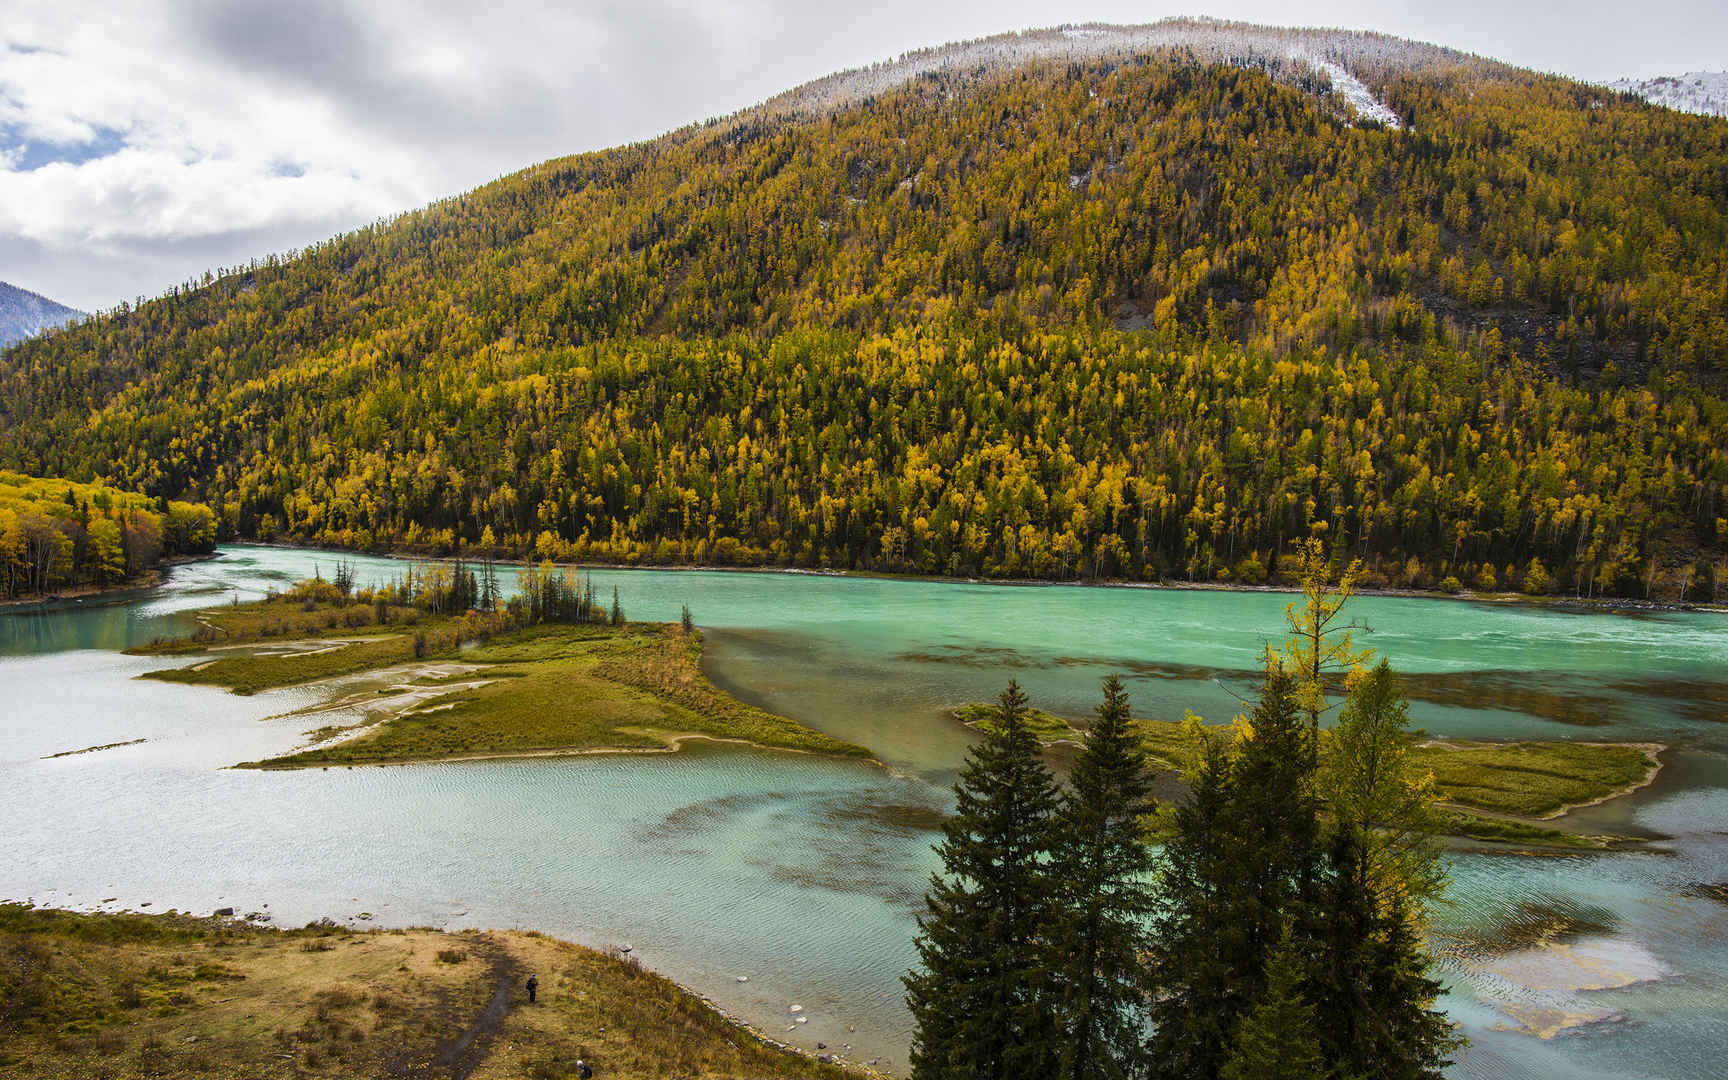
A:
(1536, 578)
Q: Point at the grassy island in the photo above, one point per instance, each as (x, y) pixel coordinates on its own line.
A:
(410, 685)
(103, 996)
(1500, 791)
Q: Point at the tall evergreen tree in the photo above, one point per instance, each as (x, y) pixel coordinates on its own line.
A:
(1104, 866)
(1244, 862)
(1279, 1039)
(983, 997)
(1275, 819)
(1196, 995)
(1373, 788)
(1373, 993)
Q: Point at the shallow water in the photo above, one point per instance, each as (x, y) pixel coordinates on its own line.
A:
(804, 874)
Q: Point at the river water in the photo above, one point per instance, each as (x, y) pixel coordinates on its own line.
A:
(803, 874)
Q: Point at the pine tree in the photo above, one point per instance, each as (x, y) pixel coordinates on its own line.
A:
(1373, 995)
(1279, 1039)
(1196, 996)
(1242, 865)
(1275, 819)
(1104, 864)
(982, 997)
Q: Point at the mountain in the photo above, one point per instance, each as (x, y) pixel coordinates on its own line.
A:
(1129, 302)
(24, 314)
(1701, 92)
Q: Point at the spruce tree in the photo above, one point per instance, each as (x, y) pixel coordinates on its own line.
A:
(983, 997)
(1275, 818)
(1373, 995)
(1244, 862)
(1279, 1039)
(1196, 931)
(1104, 866)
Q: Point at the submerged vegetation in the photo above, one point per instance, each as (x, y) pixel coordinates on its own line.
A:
(116, 996)
(547, 671)
(1139, 318)
(59, 535)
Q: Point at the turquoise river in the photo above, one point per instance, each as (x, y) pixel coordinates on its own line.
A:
(805, 874)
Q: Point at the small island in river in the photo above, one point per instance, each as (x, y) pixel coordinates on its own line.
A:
(534, 679)
(1501, 792)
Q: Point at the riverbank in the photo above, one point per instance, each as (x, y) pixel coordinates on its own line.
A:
(410, 688)
(63, 598)
(114, 995)
(1546, 600)
(90, 595)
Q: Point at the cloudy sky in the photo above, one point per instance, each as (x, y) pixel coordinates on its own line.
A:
(144, 141)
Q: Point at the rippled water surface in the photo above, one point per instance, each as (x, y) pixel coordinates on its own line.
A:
(804, 874)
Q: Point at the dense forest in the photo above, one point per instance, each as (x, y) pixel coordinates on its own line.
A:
(55, 534)
(1155, 316)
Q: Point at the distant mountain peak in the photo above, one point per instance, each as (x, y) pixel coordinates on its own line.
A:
(1702, 92)
(24, 314)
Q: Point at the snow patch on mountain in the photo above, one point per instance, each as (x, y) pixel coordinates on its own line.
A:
(1360, 98)
(1346, 57)
(1701, 92)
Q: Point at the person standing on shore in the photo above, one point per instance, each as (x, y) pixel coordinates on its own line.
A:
(533, 987)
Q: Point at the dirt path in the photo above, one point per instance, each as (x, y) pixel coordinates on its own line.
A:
(463, 1053)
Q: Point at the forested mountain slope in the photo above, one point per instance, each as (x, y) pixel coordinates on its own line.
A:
(1130, 314)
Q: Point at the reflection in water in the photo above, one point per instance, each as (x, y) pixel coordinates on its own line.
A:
(804, 873)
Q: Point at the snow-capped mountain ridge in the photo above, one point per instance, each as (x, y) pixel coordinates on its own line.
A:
(1702, 92)
(25, 314)
(1345, 57)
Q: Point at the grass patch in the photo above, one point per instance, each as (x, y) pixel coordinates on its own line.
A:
(1467, 826)
(111, 997)
(1047, 726)
(1531, 779)
(250, 672)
